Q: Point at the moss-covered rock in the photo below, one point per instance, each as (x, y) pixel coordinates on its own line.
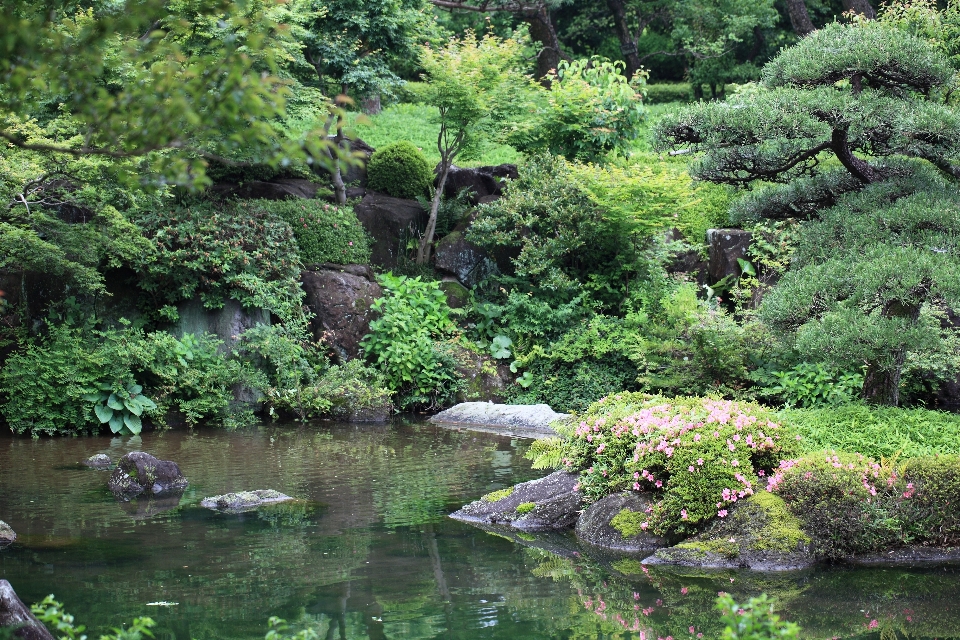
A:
(759, 533)
(244, 500)
(619, 522)
(555, 505)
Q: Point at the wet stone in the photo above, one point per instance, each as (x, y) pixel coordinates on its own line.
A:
(244, 500)
(7, 535)
(614, 523)
(138, 472)
(98, 461)
(550, 503)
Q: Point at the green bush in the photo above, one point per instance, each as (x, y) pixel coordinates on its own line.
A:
(54, 385)
(877, 432)
(403, 342)
(352, 389)
(400, 170)
(810, 384)
(753, 620)
(220, 251)
(695, 456)
(324, 232)
(569, 387)
(663, 92)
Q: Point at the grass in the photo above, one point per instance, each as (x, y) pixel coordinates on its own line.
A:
(878, 432)
(415, 122)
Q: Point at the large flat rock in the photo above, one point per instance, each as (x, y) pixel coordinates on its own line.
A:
(550, 503)
(532, 420)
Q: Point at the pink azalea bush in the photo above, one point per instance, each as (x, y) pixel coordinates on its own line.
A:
(697, 456)
(858, 505)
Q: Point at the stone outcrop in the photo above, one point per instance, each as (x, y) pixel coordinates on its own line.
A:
(760, 533)
(481, 182)
(276, 189)
(468, 263)
(725, 247)
(356, 174)
(226, 323)
(242, 501)
(507, 418)
(341, 298)
(141, 473)
(98, 461)
(17, 616)
(486, 379)
(390, 222)
(7, 534)
(615, 523)
(550, 503)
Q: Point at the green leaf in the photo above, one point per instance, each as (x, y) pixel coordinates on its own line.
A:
(114, 402)
(133, 423)
(116, 423)
(104, 413)
(92, 397)
(133, 406)
(134, 389)
(746, 267)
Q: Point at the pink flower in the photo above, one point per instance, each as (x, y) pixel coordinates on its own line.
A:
(683, 514)
(700, 461)
(873, 624)
(722, 513)
(350, 243)
(690, 468)
(685, 591)
(692, 629)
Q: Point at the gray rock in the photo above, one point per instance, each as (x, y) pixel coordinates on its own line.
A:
(355, 174)
(550, 503)
(226, 323)
(242, 501)
(390, 222)
(486, 381)
(908, 556)
(138, 473)
(481, 182)
(593, 525)
(759, 533)
(98, 461)
(341, 298)
(458, 296)
(16, 615)
(725, 246)
(7, 534)
(463, 260)
(508, 418)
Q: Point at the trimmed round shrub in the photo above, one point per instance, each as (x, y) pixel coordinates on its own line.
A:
(324, 232)
(400, 170)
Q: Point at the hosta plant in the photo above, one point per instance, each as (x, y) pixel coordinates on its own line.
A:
(121, 407)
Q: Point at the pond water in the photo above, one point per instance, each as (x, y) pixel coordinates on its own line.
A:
(368, 552)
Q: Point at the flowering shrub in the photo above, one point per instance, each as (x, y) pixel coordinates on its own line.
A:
(857, 505)
(697, 456)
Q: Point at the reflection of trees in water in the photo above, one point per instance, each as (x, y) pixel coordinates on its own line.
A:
(621, 598)
(230, 573)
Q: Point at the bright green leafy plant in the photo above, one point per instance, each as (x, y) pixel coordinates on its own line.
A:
(121, 408)
(324, 232)
(402, 342)
(400, 170)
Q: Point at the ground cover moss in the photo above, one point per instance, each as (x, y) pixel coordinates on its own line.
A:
(497, 496)
(526, 507)
(628, 522)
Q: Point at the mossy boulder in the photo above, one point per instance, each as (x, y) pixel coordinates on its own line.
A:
(98, 461)
(550, 503)
(760, 533)
(138, 472)
(616, 523)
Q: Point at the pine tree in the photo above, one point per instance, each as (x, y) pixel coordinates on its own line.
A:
(850, 131)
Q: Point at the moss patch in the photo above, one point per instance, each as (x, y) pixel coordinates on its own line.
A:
(781, 531)
(526, 507)
(629, 523)
(497, 496)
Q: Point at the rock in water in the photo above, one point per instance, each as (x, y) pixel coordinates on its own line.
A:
(16, 615)
(98, 461)
(139, 472)
(615, 523)
(531, 417)
(7, 535)
(538, 505)
(244, 500)
(760, 533)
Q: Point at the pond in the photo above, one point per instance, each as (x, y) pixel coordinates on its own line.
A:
(368, 552)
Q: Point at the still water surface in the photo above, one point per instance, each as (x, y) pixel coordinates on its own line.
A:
(368, 552)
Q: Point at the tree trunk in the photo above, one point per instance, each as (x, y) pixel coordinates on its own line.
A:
(799, 17)
(426, 242)
(542, 31)
(627, 45)
(863, 7)
(860, 169)
(881, 384)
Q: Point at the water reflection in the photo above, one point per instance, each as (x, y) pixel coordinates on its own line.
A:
(367, 552)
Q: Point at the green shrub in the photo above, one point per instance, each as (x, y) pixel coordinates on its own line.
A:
(810, 384)
(403, 342)
(695, 455)
(400, 170)
(353, 389)
(192, 375)
(54, 385)
(569, 387)
(877, 432)
(324, 232)
(220, 251)
(662, 92)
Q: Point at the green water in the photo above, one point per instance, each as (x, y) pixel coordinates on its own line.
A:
(370, 553)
